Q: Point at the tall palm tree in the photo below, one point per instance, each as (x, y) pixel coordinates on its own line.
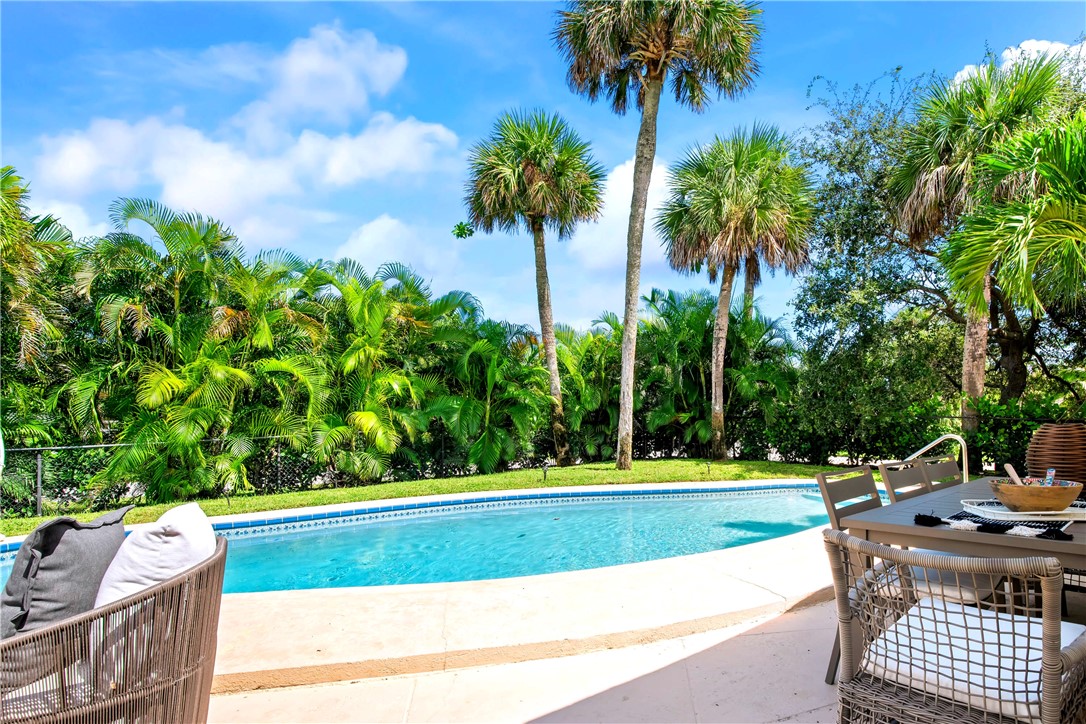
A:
(933, 185)
(626, 51)
(730, 200)
(534, 172)
(1035, 241)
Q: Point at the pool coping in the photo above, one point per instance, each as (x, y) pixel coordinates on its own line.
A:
(311, 514)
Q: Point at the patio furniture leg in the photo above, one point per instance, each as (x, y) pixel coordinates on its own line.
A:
(835, 659)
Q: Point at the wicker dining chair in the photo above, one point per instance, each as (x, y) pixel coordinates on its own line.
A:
(149, 657)
(925, 656)
(904, 480)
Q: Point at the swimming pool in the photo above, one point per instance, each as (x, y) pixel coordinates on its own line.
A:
(515, 538)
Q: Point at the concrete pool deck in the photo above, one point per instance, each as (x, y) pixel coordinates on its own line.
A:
(769, 669)
(292, 638)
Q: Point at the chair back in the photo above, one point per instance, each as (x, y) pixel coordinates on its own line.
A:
(914, 649)
(848, 492)
(149, 657)
(941, 472)
(904, 480)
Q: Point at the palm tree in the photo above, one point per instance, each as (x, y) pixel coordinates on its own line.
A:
(732, 199)
(181, 267)
(28, 245)
(1035, 242)
(625, 51)
(677, 334)
(534, 172)
(933, 185)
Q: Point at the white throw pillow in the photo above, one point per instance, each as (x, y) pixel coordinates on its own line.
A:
(153, 553)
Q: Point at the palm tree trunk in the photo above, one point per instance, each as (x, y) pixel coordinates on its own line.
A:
(642, 174)
(720, 344)
(546, 328)
(974, 360)
(752, 274)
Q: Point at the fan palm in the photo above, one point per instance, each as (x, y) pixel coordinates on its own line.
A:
(535, 173)
(934, 182)
(1035, 241)
(627, 51)
(734, 198)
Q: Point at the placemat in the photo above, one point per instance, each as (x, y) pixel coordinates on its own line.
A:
(1041, 525)
(1030, 528)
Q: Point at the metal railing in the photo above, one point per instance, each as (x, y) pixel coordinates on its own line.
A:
(942, 438)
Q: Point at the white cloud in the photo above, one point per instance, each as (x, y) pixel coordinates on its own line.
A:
(384, 147)
(222, 179)
(603, 245)
(331, 74)
(1074, 55)
(74, 217)
(387, 238)
(328, 76)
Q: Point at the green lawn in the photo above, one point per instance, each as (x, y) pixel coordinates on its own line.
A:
(644, 471)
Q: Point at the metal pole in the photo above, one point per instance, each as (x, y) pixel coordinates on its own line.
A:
(38, 495)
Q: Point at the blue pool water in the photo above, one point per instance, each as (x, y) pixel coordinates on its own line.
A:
(460, 545)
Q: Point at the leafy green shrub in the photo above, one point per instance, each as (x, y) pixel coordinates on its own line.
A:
(1004, 431)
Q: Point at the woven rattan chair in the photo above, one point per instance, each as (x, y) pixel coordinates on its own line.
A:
(941, 472)
(922, 656)
(904, 480)
(146, 658)
(853, 491)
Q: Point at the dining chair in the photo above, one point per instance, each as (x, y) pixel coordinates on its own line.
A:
(845, 493)
(913, 654)
(941, 471)
(904, 480)
(853, 491)
(848, 492)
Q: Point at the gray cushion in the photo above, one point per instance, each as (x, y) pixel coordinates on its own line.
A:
(58, 571)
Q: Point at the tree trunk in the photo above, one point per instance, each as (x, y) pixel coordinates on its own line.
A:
(1011, 339)
(546, 328)
(753, 275)
(974, 361)
(720, 345)
(643, 158)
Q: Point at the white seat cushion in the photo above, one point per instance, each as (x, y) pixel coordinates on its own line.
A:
(886, 581)
(985, 659)
(153, 553)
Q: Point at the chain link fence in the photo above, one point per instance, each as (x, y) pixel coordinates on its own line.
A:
(60, 480)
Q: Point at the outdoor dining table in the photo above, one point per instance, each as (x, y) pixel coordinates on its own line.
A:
(894, 525)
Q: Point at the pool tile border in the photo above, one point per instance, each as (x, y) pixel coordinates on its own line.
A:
(273, 525)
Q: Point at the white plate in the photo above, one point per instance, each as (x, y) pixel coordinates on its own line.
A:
(999, 512)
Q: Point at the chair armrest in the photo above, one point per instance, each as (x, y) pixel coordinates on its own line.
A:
(1074, 653)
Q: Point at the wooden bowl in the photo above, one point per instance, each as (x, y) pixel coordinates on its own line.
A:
(1035, 498)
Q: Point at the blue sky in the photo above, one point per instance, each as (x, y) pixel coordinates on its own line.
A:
(337, 129)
